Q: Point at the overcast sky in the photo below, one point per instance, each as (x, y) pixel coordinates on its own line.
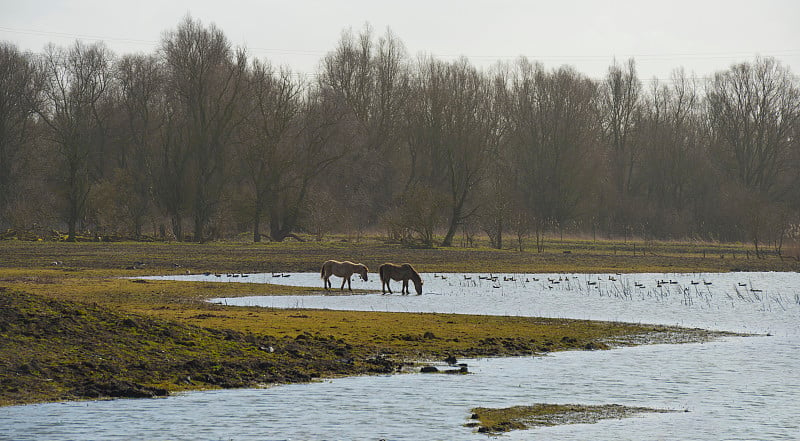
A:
(702, 36)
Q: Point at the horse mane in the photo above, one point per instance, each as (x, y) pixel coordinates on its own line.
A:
(414, 274)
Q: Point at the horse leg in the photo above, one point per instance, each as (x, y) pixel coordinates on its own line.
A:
(348, 284)
(325, 282)
(344, 280)
(405, 286)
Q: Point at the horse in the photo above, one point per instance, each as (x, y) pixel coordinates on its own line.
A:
(390, 271)
(343, 270)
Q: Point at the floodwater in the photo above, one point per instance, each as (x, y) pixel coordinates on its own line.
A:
(733, 389)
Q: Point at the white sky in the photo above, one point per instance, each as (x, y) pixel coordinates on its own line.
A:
(702, 36)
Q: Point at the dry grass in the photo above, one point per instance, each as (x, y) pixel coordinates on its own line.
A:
(574, 255)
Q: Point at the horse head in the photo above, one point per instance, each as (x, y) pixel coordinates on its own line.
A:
(362, 271)
(417, 284)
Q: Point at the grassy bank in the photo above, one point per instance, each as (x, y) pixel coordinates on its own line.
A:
(71, 328)
(59, 350)
(560, 256)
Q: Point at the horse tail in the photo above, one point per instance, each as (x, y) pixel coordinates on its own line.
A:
(382, 272)
(322, 270)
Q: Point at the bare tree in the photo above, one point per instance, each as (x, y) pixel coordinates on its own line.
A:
(553, 129)
(370, 77)
(619, 114)
(496, 205)
(672, 134)
(320, 142)
(753, 113)
(207, 81)
(423, 124)
(171, 163)
(753, 109)
(140, 80)
(268, 157)
(416, 216)
(455, 104)
(497, 193)
(18, 100)
(675, 172)
(198, 136)
(76, 86)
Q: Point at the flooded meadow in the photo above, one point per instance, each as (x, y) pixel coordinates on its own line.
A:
(734, 388)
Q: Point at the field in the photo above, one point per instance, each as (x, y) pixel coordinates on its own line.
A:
(569, 255)
(72, 328)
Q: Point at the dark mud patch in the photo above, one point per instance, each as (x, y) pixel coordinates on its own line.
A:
(494, 421)
(117, 389)
(52, 350)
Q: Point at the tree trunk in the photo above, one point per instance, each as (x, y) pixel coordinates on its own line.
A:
(177, 227)
(198, 228)
(279, 234)
(455, 220)
(71, 231)
(500, 233)
(276, 233)
(257, 225)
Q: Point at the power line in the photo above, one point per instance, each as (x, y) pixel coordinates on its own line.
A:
(666, 56)
(553, 57)
(564, 59)
(70, 35)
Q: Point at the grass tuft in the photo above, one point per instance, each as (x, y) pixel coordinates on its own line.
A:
(495, 421)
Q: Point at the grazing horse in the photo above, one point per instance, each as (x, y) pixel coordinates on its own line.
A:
(343, 270)
(390, 271)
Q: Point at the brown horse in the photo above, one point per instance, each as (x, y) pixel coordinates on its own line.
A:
(390, 271)
(343, 270)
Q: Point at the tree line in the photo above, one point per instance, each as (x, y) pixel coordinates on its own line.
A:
(198, 141)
